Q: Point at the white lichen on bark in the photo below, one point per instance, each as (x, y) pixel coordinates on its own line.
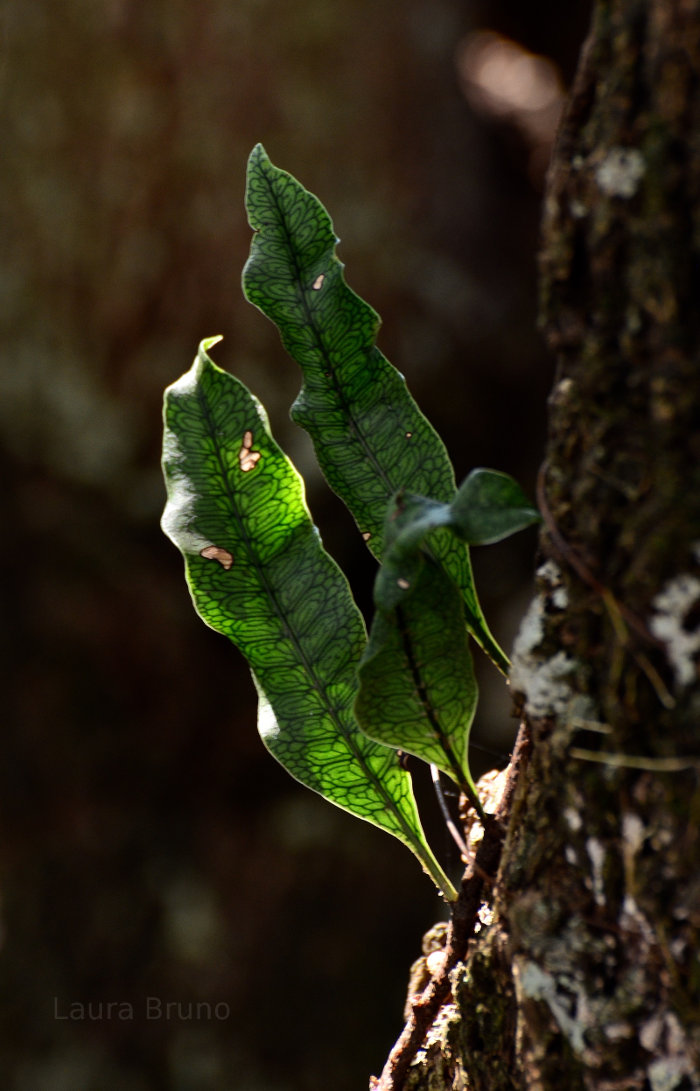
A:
(671, 607)
(620, 172)
(543, 682)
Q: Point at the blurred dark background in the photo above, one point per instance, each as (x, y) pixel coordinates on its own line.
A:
(149, 847)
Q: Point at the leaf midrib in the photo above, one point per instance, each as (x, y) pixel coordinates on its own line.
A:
(441, 736)
(327, 360)
(272, 597)
(390, 485)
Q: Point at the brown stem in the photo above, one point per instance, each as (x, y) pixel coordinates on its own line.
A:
(484, 868)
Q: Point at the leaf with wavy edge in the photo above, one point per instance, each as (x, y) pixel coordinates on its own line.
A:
(369, 435)
(258, 573)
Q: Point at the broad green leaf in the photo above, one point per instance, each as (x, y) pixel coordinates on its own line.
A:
(417, 686)
(370, 437)
(258, 574)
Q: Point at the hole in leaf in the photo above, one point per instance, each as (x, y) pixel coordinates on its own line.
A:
(247, 459)
(216, 553)
(403, 584)
(318, 283)
(366, 535)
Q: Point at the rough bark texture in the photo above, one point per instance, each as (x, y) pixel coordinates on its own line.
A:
(585, 972)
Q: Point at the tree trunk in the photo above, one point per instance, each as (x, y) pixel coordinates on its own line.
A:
(584, 970)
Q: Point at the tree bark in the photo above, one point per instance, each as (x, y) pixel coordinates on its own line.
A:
(584, 972)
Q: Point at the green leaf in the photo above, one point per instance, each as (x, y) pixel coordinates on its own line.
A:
(369, 435)
(258, 574)
(490, 506)
(417, 686)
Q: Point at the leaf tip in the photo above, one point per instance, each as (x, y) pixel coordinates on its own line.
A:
(202, 360)
(257, 156)
(209, 342)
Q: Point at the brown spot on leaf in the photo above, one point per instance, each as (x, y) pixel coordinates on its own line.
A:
(216, 553)
(247, 459)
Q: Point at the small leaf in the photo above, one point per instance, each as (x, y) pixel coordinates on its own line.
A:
(417, 686)
(490, 506)
(258, 574)
(487, 507)
(369, 435)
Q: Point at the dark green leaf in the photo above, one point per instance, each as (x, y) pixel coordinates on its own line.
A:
(417, 686)
(490, 506)
(370, 437)
(258, 574)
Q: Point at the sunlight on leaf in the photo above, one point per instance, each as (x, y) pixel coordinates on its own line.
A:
(283, 601)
